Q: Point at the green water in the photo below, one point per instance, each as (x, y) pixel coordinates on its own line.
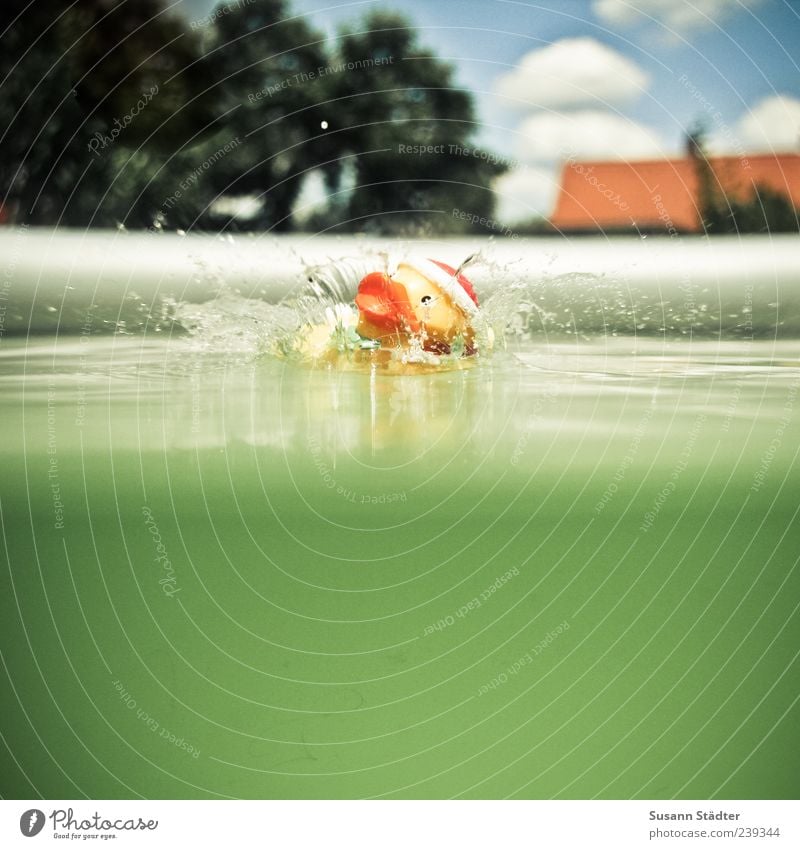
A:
(569, 572)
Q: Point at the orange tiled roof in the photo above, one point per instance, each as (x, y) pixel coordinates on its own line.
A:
(662, 193)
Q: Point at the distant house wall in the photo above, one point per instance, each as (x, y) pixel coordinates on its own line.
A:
(662, 195)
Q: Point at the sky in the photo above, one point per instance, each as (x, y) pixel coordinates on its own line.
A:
(600, 79)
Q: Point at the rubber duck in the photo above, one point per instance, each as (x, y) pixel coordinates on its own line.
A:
(418, 316)
(424, 302)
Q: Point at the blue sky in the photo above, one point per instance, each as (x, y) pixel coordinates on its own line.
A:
(604, 78)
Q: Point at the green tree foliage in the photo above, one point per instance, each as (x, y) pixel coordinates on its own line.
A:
(408, 131)
(116, 111)
(79, 81)
(266, 61)
(261, 137)
(763, 210)
(696, 151)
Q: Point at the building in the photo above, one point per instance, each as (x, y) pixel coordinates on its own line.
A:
(663, 195)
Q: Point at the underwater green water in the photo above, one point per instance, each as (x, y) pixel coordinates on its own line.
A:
(569, 572)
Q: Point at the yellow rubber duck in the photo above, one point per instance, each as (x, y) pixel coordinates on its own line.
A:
(421, 317)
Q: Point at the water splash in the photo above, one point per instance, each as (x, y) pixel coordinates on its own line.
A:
(316, 321)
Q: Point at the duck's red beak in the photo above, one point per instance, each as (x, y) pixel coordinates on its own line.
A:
(385, 304)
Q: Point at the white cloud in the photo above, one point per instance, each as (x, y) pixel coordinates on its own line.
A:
(772, 124)
(573, 73)
(525, 193)
(588, 134)
(682, 16)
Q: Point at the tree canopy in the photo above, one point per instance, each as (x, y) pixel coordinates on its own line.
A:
(119, 112)
(761, 210)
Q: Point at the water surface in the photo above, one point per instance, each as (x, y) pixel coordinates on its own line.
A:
(567, 572)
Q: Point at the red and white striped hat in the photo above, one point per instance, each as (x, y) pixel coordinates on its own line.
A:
(456, 286)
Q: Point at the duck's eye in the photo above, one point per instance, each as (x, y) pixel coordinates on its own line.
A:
(425, 300)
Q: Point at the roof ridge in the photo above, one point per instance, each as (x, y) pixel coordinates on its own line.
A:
(735, 157)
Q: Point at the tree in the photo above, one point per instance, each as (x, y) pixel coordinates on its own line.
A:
(261, 63)
(265, 62)
(696, 151)
(409, 131)
(762, 210)
(81, 83)
(116, 111)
